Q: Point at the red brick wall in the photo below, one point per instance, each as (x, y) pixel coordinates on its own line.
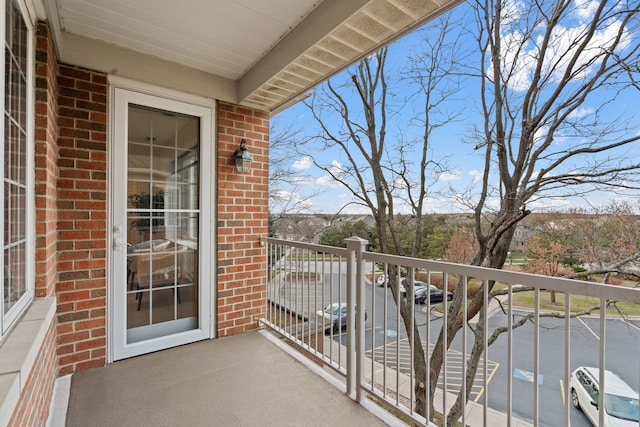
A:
(242, 217)
(242, 207)
(33, 406)
(46, 151)
(71, 217)
(82, 218)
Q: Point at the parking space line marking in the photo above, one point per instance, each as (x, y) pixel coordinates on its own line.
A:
(630, 324)
(563, 401)
(491, 374)
(454, 367)
(588, 328)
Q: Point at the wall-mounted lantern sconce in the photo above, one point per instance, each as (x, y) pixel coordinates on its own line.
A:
(242, 157)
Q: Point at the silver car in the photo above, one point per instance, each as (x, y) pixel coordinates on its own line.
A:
(334, 317)
(620, 400)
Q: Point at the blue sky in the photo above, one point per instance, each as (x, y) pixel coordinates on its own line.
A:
(451, 142)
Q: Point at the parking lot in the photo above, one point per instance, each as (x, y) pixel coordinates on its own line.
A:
(398, 356)
(385, 331)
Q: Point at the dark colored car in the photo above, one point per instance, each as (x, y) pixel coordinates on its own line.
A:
(437, 295)
(335, 317)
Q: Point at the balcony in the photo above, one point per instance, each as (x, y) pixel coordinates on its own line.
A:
(242, 380)
(349, 373)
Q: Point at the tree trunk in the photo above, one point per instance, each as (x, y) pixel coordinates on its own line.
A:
(498, 248)
(472, 368)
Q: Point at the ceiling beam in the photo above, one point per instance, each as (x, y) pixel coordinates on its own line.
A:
(326, 17)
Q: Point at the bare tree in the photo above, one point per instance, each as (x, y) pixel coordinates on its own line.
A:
(541, 64)
(389, 175)
(547, 73)
(461, 247)
(552, 244)
(596, 237)
(607, 234)
(285, 197)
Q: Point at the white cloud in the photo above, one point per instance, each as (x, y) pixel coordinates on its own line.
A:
(289, 201)
(493, 202)
(516, 61)
(476, 175)
(511, 11)
(452, 204)
(302, 180)
(281, 195)
(550, 203)
(336, 168)
(328, 181)
(519, 53)
(303, 163)
(540, 134)
(356, 209)
(398, 184)
(324, 180)
(559, 139)
(450, 176)
(305, 205)
(585, 9)
(582, 112)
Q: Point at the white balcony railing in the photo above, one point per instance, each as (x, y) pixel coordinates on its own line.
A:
(526, 369)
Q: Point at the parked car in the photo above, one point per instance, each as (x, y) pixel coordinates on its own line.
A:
(382, 280)
(620, 400)
(436, 295)
(417, 284)
(335, 317)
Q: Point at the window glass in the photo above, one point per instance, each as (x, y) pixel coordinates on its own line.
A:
(593, 392)
(15, 202)
(583, 380)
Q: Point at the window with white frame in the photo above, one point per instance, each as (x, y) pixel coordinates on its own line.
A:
(17, 203)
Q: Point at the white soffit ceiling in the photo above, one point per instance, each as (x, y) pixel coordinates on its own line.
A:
(222, 37)
(274, 50)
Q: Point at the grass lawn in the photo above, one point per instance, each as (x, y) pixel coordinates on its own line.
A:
(578, 303)
(525, 300)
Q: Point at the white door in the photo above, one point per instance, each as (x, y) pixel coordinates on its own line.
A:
(161, 161)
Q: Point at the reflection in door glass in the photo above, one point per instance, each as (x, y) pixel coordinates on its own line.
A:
(162, 223)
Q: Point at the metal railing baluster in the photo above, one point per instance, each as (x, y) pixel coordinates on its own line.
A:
(567, 358)
(464, 343)
(293, 297)
(536, 357)
(510, 356)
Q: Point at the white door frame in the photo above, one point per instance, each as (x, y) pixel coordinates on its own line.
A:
(122, 93)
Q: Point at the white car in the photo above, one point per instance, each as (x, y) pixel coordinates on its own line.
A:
(620, 400)
(382, 280)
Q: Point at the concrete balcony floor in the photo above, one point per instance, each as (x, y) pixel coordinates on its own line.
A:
(241, 380)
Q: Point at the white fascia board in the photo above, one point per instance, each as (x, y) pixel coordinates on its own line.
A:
(36, 10)
(323, 20)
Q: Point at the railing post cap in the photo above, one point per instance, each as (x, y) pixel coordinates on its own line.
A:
(355, 242)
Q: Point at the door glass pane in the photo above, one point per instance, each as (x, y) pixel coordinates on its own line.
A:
(162, 223)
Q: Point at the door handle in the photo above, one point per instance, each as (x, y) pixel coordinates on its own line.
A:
(118, 244)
